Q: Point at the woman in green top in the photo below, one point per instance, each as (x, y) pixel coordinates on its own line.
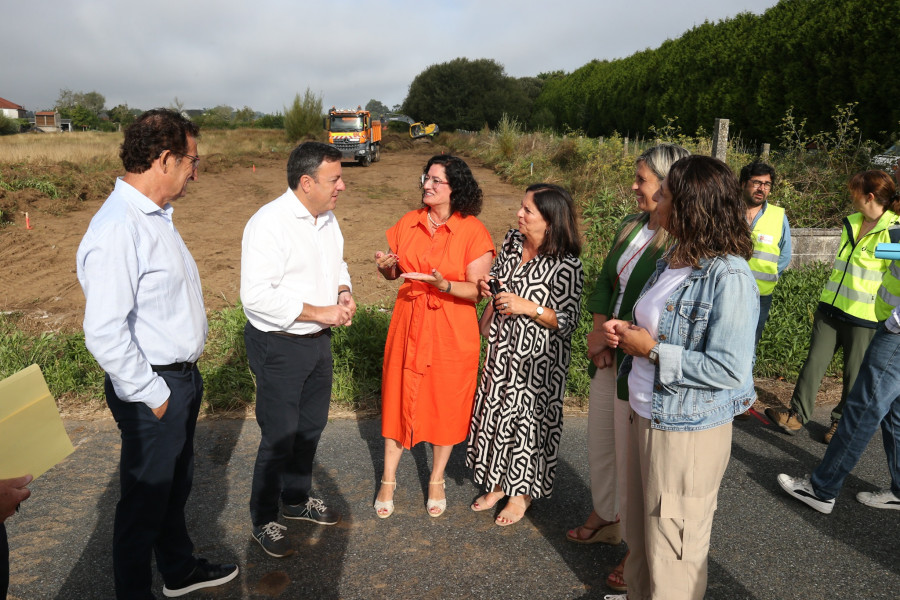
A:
(637, 246)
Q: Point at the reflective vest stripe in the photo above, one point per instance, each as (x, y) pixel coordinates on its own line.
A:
(857, 271)
(849, 293)
(773, 277)
(766, 256)
(766, 237)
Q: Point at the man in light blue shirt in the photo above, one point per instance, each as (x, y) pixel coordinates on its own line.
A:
(145, 323)
(771, 235)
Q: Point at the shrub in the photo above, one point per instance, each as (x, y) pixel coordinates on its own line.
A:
(304, 117)
(8, 126)
(785, 340)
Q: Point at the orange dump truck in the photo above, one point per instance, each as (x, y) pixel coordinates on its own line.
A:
(355, 134)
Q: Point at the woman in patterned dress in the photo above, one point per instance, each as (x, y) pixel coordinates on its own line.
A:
(517, 419)
(442, 251)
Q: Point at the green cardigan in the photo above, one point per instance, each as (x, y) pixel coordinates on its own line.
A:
(602, 300)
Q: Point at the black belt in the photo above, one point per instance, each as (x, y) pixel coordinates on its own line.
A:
(319, 333)
(184, 367)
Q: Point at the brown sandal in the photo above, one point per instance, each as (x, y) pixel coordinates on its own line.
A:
(616, 579)
(611, 533)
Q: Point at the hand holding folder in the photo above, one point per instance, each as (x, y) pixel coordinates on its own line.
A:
(32, 436)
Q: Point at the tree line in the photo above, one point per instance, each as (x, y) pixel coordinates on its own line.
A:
(812, 55)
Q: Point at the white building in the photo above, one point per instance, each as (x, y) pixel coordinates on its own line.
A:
(11, 110)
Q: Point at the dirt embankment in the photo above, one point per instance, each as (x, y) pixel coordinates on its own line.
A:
(37, 276)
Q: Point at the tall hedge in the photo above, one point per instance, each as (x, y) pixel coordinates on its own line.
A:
(809, 54)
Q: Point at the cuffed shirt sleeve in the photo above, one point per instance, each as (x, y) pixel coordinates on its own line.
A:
(727, 358)
(784, 256)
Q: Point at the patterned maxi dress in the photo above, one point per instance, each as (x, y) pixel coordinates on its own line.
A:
(517, 419)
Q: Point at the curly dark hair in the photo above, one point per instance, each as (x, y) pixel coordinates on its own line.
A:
(556, 206)
(465, 195)
(755, 169)
(151, 134)
(708, 215)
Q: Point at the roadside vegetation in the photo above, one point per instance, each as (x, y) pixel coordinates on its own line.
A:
(599, 173)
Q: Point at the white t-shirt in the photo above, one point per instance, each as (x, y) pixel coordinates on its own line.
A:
(629, 259)
(647, 312)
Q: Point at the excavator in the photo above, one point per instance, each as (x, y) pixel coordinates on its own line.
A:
(417, 129)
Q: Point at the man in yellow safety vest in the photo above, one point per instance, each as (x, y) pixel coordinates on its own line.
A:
(771, 234)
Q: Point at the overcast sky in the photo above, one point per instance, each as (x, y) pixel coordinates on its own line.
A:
(261, 53)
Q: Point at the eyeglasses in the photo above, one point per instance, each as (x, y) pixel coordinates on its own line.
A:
(195, 160)
(434, 181)
(756, 184)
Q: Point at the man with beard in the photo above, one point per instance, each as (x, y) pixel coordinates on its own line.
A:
(771, 235)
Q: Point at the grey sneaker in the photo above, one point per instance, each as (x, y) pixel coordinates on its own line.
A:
(271, 537)
(880, 499)
(314, 510)
(801, 489)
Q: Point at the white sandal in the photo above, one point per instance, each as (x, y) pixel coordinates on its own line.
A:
(440, 505)
(387, 505)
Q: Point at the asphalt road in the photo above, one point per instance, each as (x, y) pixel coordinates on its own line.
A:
(764, 544)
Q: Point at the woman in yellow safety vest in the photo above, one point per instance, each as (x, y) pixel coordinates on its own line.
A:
(845, 316)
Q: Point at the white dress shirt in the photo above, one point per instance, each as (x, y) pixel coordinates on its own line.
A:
(289, 259)
(144, 303)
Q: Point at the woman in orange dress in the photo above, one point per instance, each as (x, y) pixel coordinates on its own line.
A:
(431, 355)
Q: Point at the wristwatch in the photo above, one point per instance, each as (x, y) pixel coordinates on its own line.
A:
(653, 357)
(540, 311)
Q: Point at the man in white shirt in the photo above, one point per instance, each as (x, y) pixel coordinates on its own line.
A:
(145, 323)
(295, 287)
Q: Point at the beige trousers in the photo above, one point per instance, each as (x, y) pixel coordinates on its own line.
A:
(673, 482)
(607, 446)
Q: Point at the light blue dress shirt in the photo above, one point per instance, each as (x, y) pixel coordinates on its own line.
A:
(144, 303)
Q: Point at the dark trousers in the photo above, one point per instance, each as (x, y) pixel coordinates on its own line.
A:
(765, 305)
(156, 470)
(4, 562)
(293, 392)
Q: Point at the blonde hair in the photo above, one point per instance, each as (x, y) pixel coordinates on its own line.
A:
(659, 159)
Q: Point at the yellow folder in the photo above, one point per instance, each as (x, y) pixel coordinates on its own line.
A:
(32, 436)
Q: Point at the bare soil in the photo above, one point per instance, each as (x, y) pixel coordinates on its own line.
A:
(37, 266)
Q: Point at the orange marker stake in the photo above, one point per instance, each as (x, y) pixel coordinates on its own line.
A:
(254, 168)
(28, 222)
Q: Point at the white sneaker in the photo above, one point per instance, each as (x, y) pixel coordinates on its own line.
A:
(615, 597)
(880, 499)
(801, 489)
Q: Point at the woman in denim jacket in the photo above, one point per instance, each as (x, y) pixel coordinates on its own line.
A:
(689, 369)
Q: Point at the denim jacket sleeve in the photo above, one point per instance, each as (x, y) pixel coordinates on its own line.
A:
(713, 331)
